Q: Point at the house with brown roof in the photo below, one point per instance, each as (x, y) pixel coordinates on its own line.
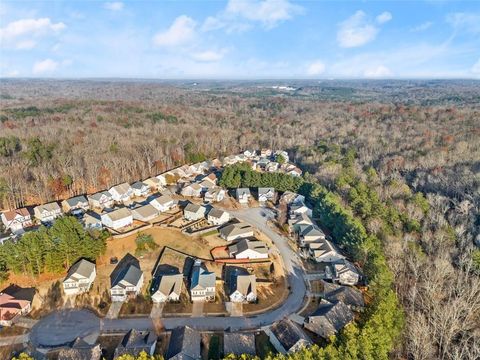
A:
(17, 220)
(14, 302)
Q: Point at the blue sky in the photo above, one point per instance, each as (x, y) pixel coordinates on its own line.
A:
(240, 39)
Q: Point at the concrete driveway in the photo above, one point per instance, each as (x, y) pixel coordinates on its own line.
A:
(114, 310)
(197, 308)
(62, 325)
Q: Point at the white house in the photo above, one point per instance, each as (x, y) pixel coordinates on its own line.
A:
(202, 283)
(266, 194)
(92, 221)
(295, 172)
(300, 208)
(272, 166)
(145, 213)
(236, 231)
(308, 234)
(153, 183)
(243, 195)
(76, 205)
(101, 200)
(80, 277)
(248, 249)
(243, 288)
(192, 190)
(122, 192)
(289, 197)
(346, 273)
(47, 212)
(118, 218)
(167, 288)
(324, 251)
(17, 220)
(194, 212)
(163, 179)
(163, 203)
(218, 217)
(215, 194)
(140, 188)
(127, 283)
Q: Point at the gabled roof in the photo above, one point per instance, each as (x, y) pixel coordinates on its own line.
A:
(236, 229)
(329, 318)
(265, 191)
(184, 344)
(323, 247)
(10, 215)
(53, 206)
(121, 188)
(119, 213)
(216, 213)
(129, 276)
(80, 350)
(139, 185)
(346, 294)
(146, 211)
(201, 278)
(91, 218)
(136, 341)
(75, 201)
(81, 269)
(247, 244)
(98, 196)
(194, 208)
(289, 333)
(170, 283)
(344, 267)
(239, 343)
(163, 199)
(311, 230)
(243, 283)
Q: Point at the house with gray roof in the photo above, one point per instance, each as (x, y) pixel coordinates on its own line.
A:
(184, 344)
(167, 287)
(163, 202)
(266, 194)
(145, 213)
(214, 194)
(308, 234)
(239, 343)
(346, 273)
(202, 283)
(47, 212)
(136, 341)
(248, 249)
(121, 193)
(243, 195)
(80, 350)
(349, 295)
(288, 337)
(194, 212)
(76, 205)
(101, 200)
(117, 219)
(243, 287)
(324, 251)
(126, 279)
(218, 217)
(140, 188)
(92, 221)
(80, 277)
(329, 318)
(236, 231)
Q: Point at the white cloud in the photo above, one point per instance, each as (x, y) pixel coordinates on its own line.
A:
(316, 68)
(268, 12)
(180, 32)
(356, 31)
(422, 27)
(380, 71)
(29, 27)
(12, 73)
(209, 55)
(476, 68)
(25, 45)
(44, 66)
(384, 17)
(113, 6)
(469, 22)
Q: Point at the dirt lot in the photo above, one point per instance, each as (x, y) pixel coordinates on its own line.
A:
(268, 294)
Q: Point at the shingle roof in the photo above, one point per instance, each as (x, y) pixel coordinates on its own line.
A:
(346, 294)
(216, 213)
(239, 343)
(136, 341)
(122, 188)
(202, 278)
(146, 211)
(10, 215)
(170, 283)
(119, 213)
(329, 318)
(194, 208)
(288, 333)
(129, 275)
(244, 284)
(75, 201)
(81, 269)
(184, 344)
(98, 196)
(236, 229)
(247, 244)
(139, 185)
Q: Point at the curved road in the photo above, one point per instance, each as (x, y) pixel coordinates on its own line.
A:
(60, 327)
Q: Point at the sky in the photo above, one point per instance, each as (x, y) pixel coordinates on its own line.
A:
(240, 39)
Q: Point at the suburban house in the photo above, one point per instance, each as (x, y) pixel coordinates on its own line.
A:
(248, 249)
(80, 350)
(272, 166)
(290, 337)
(324, 251)
(206, 185)
(239, 344)
(346, 273)
(243, 287)
(283, 154)
(262, 164)
(212, 178)
(350, 296)
(14, 302)
(185, 344)
(76, 205)
(47, 212)
(295, 172)
(121, 193)
(215, 194)
(329, 318)
(140, 188)
(80, 277)
(249, 153)
(202, 283)
(167, 287)
(101, 200)
(17, 220)
(218, 217)
(144, 212)
(194, 212)
(92, 221)
(265, 152)
(243, 195)
(162, 178)
(266, 194)
(298, 209)
(308, 234)
(302, 219)
(192, 190)
(236, 231)
(162, 203)
(289, 197)
(117, 219)
(136, 341)
(126, 280)
(154, 183)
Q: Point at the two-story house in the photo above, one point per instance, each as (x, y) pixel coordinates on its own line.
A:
(17, 220)
(202, 283)
(126, 282)
(101, 200)
(80, 277)
(121, 193)
(47, 212)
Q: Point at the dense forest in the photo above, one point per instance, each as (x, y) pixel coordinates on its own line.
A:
(399, 161)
